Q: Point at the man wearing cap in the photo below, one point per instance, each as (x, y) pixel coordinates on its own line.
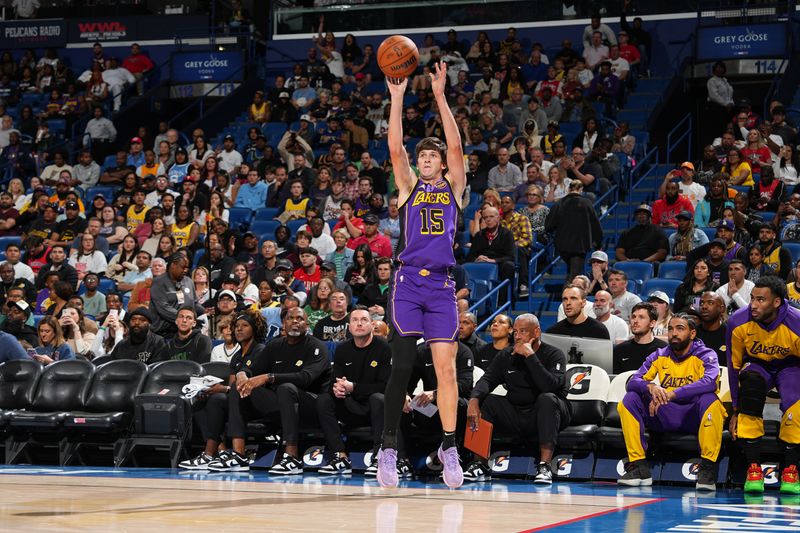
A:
(63, 188)
(380, 245)
(87, 172)
(72, 226)
(142, 344)
(136, 153)
(599, 275)
(227, 306)
(189, 343)
(328, 270)
(229, 158)
(44, 225)
(643, 242)
(778, 258)
(632, 353)
(284, 284)
(169, 293)
(686, 239)
(730, 249)
(694, 192)
(711, 329)
(666, 208)
(17, 314)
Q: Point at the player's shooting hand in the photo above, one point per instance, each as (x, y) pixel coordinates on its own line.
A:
(397, 86)
(473, 414)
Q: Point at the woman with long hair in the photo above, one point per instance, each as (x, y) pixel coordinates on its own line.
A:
(210, 171)
(202, 287)
(200, 153)
(75, 334)
(94, 209)
(738, 169)
(710, 209)
(322, 186)
(17, 191)
(664, 315)
(350, 49)
(223, 186)
(757, 153)
(125, 259)
(166, 247)
(110, 228)
(87, 258)
(52, 346)
(557, 184)
(158, 228)
(320, 305)
(245, 288)
(185, 230)
(788, 167)
(362, 271)
(756, 268)
(112, 332)
(697, 281)
(217, 207)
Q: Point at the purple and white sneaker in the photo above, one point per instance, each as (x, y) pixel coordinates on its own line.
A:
(451, 467)
(387, 468)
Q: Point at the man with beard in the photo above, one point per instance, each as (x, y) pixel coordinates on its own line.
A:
(711, 329)
(169, 293)
(685, 402)
(764, 346)
(686, 239)
(141, 344)
(467, 324)
(17, 314)
(44, 225)
(72, 226)
(8, 215)
(188, 343)
(8, 280)
(666, 209)
(535, 407)
(361, 369)
(577, 323)
(631, 354)
(221, 265)
(603, 310)
(778, 258)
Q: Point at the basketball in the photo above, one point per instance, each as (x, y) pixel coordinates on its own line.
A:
(398, 56)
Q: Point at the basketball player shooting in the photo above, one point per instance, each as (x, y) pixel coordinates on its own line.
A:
(423, 301)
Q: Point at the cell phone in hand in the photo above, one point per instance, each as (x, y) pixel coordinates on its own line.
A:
(31, 353)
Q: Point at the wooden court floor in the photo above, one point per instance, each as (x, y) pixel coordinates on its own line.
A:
(48, 503)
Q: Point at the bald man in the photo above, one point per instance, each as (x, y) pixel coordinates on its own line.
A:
(711, 329)
(617, 328)
(494, 244)
(467, 323)
(535, 406)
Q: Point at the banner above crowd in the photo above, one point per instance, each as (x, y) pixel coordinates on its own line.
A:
(734, 42)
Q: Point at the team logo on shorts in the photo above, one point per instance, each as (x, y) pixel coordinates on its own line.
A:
(314, 456)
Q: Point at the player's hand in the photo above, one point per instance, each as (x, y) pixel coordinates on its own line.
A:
(424, 398)
(407, 404)
(397, 87)
(438, 78)
(473, 414)
(733, 425)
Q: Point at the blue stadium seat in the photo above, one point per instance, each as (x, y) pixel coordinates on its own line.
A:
(794, 249)
(639, 271)
(295, 225)
(106, 191)
(198, 256)
(656, 284)
(107, 286)
(273, 128)
(265, 227)
(481, 280)
(5, 241)
(58, 126)
(711, 233)
(265, 213)
(672, 270)
(238, 216)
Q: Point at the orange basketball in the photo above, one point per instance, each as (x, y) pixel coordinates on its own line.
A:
(398, 56)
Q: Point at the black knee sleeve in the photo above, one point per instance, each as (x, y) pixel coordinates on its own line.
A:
(752, 394)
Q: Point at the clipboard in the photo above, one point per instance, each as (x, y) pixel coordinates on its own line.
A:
(479, 441)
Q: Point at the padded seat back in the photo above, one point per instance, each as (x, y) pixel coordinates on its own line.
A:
(170, 376)
(588, 389)
(18, 380)
(115, 385)
(616, 391)
(63, 386)
(218, 369)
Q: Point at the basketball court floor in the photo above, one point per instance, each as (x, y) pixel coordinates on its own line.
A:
(140, 499)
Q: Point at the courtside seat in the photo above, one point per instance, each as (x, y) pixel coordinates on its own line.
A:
(62, 388)
(588, 390)
(170, 377)
(218, 369)
(610, 432)
(109, 402)
(18, 380)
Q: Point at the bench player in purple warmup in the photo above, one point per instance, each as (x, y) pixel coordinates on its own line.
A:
(423, 300)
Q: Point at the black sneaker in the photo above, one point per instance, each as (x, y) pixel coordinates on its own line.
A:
(372, 469)
(200, 462)
(337, 465)
(706, 476)
(637, 474)
(287, 466)
(544, 476)
(229, 461)
(404, 469)
(477, 471)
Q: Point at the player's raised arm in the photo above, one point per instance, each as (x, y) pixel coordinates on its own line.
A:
(455, 152)
(400, 165)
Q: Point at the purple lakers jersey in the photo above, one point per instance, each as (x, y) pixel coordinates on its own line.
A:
(428, 226)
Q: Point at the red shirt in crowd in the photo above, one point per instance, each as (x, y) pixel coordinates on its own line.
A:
(664, 213)
(380, 244)
(137, 64)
